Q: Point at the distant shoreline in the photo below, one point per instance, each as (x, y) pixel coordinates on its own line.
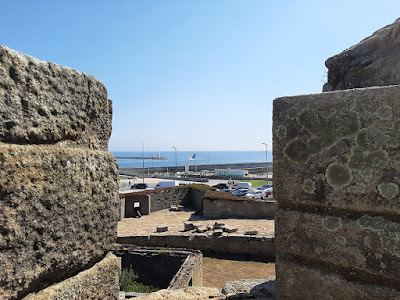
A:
(202, 167)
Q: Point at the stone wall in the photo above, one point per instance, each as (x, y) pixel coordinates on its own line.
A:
(155, 200)
(336, 164)
(58, 182)
(254, 246)
(245, 209)
(162, 267)
(375, 61)
(164, 198)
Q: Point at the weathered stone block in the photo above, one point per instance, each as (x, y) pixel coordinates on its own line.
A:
(44, 103)
(375, 61)
(298, 282)
(339, 150)
(367, 245)
(59, 211)
(98, 282)
(162, 228)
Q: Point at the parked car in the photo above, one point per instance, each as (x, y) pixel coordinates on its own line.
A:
(221, 186)
(243, 185)
(140, 186)
(257, 194)
(265, 186)
(240, 192)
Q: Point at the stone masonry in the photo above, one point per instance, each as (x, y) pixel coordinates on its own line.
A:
(336, 166)
(58, 182)
(375, 61)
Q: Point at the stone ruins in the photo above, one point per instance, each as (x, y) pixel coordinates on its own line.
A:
(336, 179)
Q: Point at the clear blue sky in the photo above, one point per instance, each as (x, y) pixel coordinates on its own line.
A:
(197, 74)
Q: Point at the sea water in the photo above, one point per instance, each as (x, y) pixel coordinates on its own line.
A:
(184, 157)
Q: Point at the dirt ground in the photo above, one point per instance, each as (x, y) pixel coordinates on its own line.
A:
(216, 272)
(175, 219)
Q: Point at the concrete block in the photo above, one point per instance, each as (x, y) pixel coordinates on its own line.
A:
(162, 228)
(217, 232)
(218, 225)
(201, 229)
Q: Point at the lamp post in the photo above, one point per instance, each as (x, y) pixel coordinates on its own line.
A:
(143, 160)
(266, 159)
(176, 162)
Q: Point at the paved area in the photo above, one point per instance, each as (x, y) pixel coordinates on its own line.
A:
(175, 219)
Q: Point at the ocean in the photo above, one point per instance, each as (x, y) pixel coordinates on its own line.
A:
(183, 158)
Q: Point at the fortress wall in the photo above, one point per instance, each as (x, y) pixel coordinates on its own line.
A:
(336, 166)
(58, 183)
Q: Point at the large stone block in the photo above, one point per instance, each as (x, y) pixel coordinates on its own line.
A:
(298, 282)
(59, 212)
(44, 103)
(375, 61)
(366, 246)
(98, 282)
(339, 150)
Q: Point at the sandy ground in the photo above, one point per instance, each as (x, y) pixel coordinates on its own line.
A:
(175, 219)
(217, 272)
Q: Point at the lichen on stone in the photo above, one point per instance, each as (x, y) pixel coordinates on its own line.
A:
(332, 224)
(388, 232)
(319, 177)
(384, 112)
(392, 138)
(357, 189)
(338, 175)
(388, 190)
(292, 113)
(281, 131)
(319, 144)
(370, 139)
(308, 186)
(367, 161)
(297, 151)
(341, 240)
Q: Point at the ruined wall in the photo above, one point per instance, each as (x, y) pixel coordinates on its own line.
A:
(162, 267)
(247, 209)
(129, 200)
(254, 246)
(336, 166)
(375, 61)
(58, 182)
(164, 198)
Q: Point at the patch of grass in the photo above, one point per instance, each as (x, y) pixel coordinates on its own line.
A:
(128, 283)
(257, 183)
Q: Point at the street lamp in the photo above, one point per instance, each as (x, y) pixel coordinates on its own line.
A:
(266, 159)
(143, 160)
(176, 162)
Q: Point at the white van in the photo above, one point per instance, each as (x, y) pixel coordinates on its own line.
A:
(165, 184)
(242, 185)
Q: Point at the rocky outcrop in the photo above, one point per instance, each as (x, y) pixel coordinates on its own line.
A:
(375, 61)
(58, 182)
